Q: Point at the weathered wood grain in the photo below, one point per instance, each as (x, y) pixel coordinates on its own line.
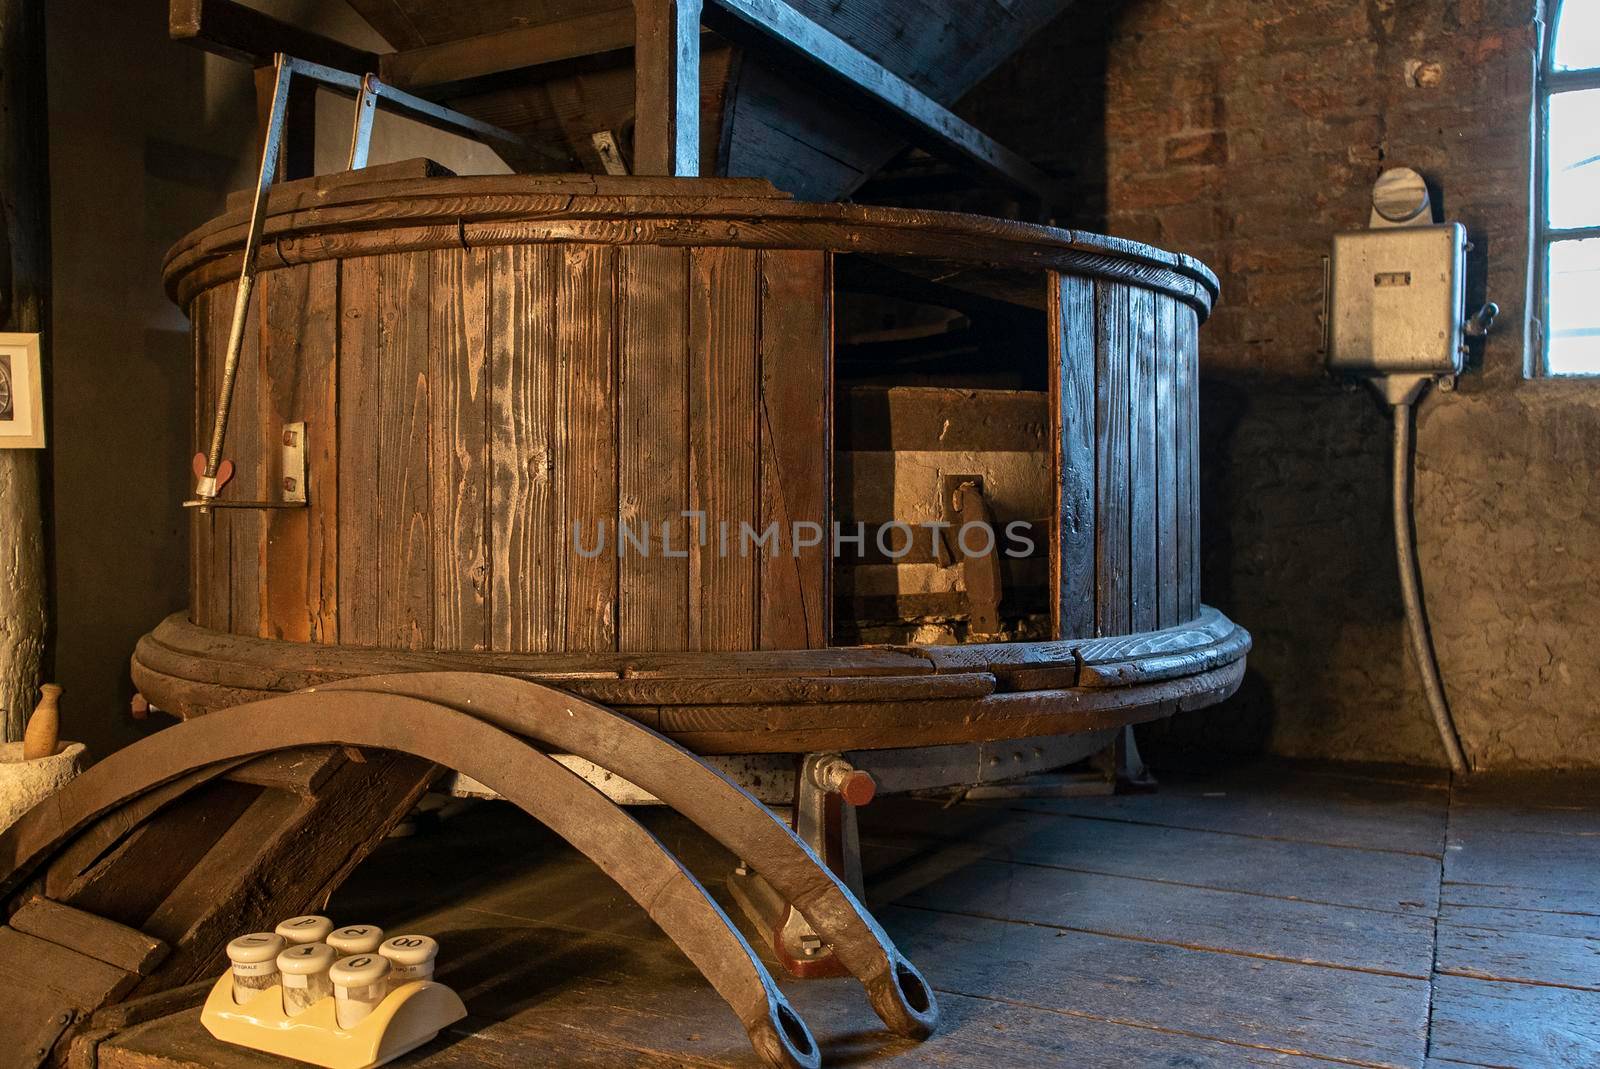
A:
(1143, 527)
(999, 256)
(1522, 860)
(115, 944)
(1310, 872)
(586, 360)
(1072, 406)
(322, 460)
(795, 391)
(1169, 609)
(405, 505)
(527, 554)
(458, 371)
(1188, 347)
(285, 312)
(593, 1031)
(247, 527)
(1280, 801)
(653, 454)
(723, 309)
(43, 988)
(300, 385)
(360, 438)
(1113, 409)
(1525, 945)
(212, 597)
(124, 885)
(465, 352)
(1481, 1022)
(1219, 921)
(1498, 896)
(1258, 1005)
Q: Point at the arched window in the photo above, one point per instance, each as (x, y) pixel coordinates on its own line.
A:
(1569, 222)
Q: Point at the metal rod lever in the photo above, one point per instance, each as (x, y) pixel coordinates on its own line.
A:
(205, 489)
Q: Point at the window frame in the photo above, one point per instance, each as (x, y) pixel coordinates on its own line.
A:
(1552, 82)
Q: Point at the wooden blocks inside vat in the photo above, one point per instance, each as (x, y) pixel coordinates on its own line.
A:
(904, 454)
(1124, 402)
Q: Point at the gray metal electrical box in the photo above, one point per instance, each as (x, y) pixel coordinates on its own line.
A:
(1397, 300)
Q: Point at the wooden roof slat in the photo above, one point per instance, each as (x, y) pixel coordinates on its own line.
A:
(508, 50)
(225, 28)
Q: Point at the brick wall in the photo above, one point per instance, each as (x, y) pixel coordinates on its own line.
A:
(1246, 132)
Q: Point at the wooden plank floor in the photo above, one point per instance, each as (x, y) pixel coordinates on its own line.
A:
(1277, 915)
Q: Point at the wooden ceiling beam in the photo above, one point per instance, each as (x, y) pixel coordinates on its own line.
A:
(774, 27)
(225, 28)
(666, 125)
(509, 50)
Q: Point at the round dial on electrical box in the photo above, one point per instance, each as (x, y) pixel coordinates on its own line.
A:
(1401, 196)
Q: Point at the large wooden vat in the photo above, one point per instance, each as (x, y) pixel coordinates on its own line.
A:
(482, 363)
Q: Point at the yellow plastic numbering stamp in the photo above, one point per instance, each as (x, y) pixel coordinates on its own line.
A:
(303, 1002)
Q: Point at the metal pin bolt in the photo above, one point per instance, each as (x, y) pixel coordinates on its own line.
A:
(741, 869)
(810, 945)
(838, 776)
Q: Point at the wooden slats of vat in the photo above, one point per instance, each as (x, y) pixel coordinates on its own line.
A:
(723, 310)
(1124, 380)
(654, 422)
(796, 454)
(489, 402)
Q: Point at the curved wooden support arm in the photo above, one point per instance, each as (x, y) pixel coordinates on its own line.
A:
(511, 766)
(899, 994)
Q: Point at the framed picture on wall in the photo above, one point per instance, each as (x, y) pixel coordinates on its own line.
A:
(21, 396)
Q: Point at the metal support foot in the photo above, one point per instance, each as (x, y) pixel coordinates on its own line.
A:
(827, 791)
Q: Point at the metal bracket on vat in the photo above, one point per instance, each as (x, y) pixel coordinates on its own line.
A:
(963, 503)
(291, 476)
